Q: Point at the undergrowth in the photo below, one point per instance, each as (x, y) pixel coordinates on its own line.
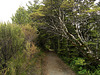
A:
(26, 62)
(80, 65)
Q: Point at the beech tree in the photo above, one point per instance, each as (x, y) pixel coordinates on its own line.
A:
(71, 20)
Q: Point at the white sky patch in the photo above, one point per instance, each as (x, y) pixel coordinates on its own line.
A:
(9, 7)
(97, 1)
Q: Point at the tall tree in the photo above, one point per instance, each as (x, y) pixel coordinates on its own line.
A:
(70, 19)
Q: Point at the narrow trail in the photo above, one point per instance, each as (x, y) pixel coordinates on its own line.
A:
(53, 65)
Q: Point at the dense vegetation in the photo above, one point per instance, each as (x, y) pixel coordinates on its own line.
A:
(71, 28)
(68, 27)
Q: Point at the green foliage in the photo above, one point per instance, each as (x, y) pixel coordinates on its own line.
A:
(30, 33)
(25, 62)
(79, 65)
(44, 40)
(21, 16)
(11, 41)
(81, 21)
(82, 71)
(18, 53)
(95, 9)
(80, 61)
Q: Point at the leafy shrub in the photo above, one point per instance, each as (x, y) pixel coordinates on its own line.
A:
(77, 65)
(80, 66)
(25, 52)
(23, 63)
(30, 33)
(80, 61)
(30, 50)
(11, 41)
(82, 71)
(97, 71)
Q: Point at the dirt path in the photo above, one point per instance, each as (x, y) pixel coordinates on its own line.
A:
(52, 65)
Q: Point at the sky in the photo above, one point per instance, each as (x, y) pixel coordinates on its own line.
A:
(97, 1)
(9, 7)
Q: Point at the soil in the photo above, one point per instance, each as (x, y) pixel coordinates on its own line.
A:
(53, 65)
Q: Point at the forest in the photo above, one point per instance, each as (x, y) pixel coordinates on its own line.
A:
(70, 28)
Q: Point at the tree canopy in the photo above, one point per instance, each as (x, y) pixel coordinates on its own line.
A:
(68, 27)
